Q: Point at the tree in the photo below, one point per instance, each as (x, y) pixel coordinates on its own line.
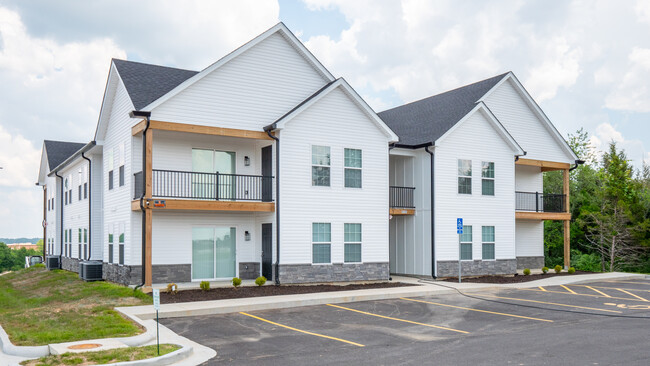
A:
(39, 243)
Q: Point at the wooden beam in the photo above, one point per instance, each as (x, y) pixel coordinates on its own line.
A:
(148, 216)
(402, 211)
(524, 215)
(545, 165)
(148, 168)
(567, 243)
(566, 188)
(203, 130)
(201, 205)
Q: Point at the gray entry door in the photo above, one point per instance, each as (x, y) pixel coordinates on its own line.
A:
(267, 172)
(267, 250)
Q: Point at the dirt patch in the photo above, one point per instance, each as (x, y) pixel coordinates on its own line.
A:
(512, 278)
(222, 293)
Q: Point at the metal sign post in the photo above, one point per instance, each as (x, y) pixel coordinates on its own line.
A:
(459, 231)
(156, 305)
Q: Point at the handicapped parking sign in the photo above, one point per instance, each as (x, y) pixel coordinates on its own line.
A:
(459, 225)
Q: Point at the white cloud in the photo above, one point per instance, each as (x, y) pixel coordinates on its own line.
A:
(560, 67)
(606, 133)
(19, 160)
(632, 93)
(643, 10)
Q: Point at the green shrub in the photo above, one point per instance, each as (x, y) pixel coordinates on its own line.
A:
(558, 268)
(39, 265)
(205, 285)
(544, 270)
(526, 271)
(586, 262)
(236, 281)
(571, 270)
(172, 288)
(260, 281)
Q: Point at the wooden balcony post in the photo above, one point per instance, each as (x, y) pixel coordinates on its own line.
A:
(567, 223)
(148, 177)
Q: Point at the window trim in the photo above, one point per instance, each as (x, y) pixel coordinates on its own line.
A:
(360, 243)
(464, 177)
(471, 244)
(321, 242)
(493, 243)
(329, 167)
(346, 168)
(485, 178)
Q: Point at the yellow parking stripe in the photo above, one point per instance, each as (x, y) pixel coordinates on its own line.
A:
(566, 293)
(478, 310)
(615, 288)
(549, 303)
(542, 288)
(600, 292)
(568, 289)
(647, 283)
(401, 320)
(631, 294)
(303, 331)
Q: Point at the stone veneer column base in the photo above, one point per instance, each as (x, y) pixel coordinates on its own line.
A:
(337, 272)
(70, 264)
(530, 262)
(477, 267)
(249, 270)
(161, 273)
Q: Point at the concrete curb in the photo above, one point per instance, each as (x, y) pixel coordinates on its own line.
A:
(214, 307)
(21, 351)
(167, 359)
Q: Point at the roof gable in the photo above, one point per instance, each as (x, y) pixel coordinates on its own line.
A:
(60, 151)
(426, 120)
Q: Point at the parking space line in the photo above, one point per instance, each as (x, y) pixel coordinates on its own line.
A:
(401, 320)
(568, 289)
(631, 294)
(647, 283)
(303, 331)
(478, 310)
(542, 288)
(615, 288)
(566, 293)
(593, 289)
(549, 303)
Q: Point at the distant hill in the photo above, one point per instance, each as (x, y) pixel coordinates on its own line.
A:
(19, 240)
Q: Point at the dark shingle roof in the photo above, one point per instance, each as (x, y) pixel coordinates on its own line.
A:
(59, 151)
(425, 120)
(145, 83)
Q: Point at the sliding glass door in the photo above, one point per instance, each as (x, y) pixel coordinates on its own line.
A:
(204, 164)
(213, 253)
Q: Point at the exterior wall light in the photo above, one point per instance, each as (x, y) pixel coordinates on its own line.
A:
(247, 161)
(247, 236)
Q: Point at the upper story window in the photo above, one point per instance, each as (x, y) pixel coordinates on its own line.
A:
(320, 166)
(466, 243)
(352, 168)
(487, 175)
(121, 168)
(110, 169)
(321, 242)
(464, 176)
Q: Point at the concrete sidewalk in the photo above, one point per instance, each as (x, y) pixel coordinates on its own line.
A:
(427, 287)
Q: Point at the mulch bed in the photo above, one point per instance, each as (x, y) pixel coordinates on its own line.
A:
(221, 293)
(512, 279)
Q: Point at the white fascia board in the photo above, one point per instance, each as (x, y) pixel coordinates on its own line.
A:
(400, 151)
(280, 27)
(519, 87)
(354, 96)
(498, 127)
(44, 167)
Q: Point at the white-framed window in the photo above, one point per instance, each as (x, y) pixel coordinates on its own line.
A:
(464, 176)
(110, 168)
(80, 184)
(487, 176)
(110, 243)
(86, 243)
(79, 246)
(352, 243)
(120, 241)
(320, 166)
(487, 237)
(121, 166)
(466, 243)
(353, 163)
(85, 182)
(321, 242)
(65, 242)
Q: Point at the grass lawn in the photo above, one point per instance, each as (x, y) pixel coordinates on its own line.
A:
(39, 307)
(103, 357)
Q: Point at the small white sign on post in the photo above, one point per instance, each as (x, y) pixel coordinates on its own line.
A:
(156, 299)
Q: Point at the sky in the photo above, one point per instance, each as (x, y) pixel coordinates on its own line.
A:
(587, 63)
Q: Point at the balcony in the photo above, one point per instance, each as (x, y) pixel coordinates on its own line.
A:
(401, 200)
(535, 205)
(183, 190)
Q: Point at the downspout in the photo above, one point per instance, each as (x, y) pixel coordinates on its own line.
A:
(277, 205)
(433, 240)
(147, 116)
(90, 211)
(577, 162)
(61, 232)
(44, 221)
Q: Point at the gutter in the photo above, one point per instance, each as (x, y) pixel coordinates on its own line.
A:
(577, 162)
(90, 211)
(147, 116)
(433, 219)
(56, 173)
(268, 130)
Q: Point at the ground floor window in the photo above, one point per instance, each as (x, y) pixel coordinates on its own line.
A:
(488, 242)
(213, 252)
(120, 240)
(321, 242)
(352, 240)
(110, 244)
(466, 243)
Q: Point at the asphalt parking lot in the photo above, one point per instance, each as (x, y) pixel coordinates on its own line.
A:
(600, 323)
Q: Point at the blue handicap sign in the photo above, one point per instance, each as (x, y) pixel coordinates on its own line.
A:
(459, 225)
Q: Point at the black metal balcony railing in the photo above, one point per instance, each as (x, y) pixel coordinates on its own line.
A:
(401, 197)
(539, 202)
(207, 186)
